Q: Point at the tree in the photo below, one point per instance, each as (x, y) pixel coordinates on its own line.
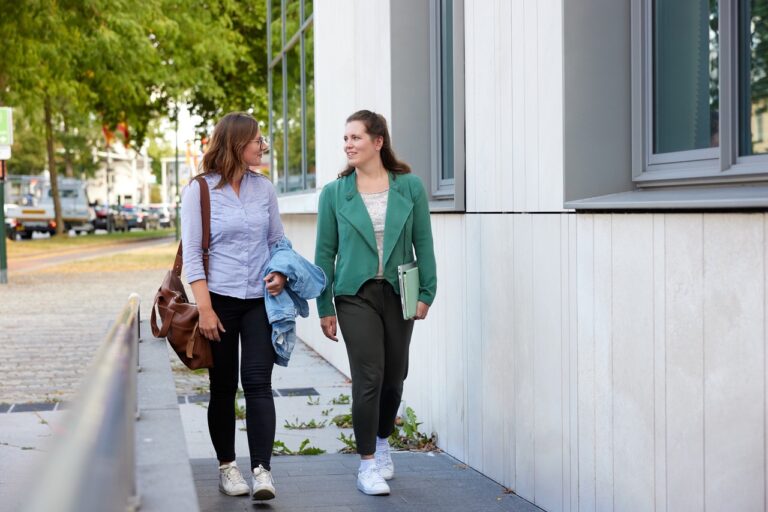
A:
(75, 66)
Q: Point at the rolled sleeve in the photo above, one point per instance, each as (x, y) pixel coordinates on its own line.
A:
(192, 233)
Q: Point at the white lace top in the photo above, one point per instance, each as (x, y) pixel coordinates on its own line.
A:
(376, 204)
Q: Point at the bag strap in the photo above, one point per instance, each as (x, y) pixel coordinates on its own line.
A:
(205, 213)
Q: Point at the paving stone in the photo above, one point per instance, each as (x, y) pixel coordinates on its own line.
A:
(35, 407)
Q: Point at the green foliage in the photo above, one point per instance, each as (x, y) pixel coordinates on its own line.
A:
(407, 436)
(350, 445)
(326, 412)
(297, 425)
(316, 401)
(342, 399)
(72, 67)
(279, 448)
(342, 420)
(239, 410)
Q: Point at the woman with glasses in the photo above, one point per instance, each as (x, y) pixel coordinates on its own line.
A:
(370, 221)
(245, 222)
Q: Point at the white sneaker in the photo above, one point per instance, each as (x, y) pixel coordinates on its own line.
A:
(231, 481)
(370, 482)
(384, 464)
(263, 484)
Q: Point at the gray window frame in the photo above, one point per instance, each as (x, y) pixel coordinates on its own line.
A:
(722, 164)
(419, 108)
(280, 58)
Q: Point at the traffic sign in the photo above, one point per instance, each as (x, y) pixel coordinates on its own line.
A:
(5, 152)
(6, 126)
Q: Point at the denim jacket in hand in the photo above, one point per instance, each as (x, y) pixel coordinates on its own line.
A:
(305, 281)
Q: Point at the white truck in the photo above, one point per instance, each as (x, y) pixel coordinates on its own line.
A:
(29, 206)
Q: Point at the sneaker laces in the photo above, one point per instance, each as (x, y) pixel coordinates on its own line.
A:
(262, 475)
(233, 475)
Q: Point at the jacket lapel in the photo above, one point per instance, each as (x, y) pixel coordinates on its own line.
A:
(353, 209)
(398, 209)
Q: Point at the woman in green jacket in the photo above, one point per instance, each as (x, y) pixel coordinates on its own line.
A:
(371, 220)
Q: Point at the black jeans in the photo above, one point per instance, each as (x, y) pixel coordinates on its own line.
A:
(244, 320)
(377, 340)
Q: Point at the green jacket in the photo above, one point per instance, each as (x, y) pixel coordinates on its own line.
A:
(346, 245)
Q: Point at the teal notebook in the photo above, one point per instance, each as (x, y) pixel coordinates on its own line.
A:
(408, 276)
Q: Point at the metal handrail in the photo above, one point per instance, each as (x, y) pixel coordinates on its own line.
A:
(91, 466)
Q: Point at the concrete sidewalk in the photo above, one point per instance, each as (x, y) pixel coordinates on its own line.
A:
(303, 392)
(326, 483)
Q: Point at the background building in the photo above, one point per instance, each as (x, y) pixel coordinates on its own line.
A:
(597, 171)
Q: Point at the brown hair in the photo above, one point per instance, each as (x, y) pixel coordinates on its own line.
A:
(224, 155)
(376, 126)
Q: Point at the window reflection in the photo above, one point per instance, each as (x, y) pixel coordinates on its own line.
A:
(292, 100)
(276, 27)
(293, 125)
(753, 76)
(278, 126)
(309, 127)
(685, 75)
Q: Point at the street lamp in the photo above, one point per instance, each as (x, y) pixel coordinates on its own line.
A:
(176, 176)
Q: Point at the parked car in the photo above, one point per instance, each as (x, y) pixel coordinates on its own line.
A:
(146, 218)
(163, 213)
(103, 217)
(126, 218)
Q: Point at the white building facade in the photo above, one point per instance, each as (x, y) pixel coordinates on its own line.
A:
(598, 341)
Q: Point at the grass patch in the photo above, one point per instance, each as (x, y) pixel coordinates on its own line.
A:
(158, 257)
(30, 248)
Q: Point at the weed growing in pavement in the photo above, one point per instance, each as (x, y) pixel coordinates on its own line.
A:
(342, 399)
(279, 448)
(350, 445)
(316, 401)
(305, 425)
(239, 410)
(342, 420)
(406, 435)
(326, 412)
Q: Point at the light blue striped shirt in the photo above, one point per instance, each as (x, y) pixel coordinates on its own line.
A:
(242, 230)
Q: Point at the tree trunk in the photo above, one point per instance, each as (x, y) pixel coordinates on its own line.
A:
(54, 174)
(69, 170)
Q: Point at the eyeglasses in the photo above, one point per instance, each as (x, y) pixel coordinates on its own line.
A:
(264, 144)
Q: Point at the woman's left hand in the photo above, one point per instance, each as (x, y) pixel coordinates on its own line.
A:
(421, 311)
(275, 283)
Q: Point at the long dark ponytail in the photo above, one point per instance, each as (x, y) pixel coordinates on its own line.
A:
(376, 126)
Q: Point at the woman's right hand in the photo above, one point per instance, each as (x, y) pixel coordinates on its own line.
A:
(209, 324)
(328, 324)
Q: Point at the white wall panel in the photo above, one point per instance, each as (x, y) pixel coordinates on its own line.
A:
(660, 363)
(586, 401)
(334, 84)
(632, 337)
(524, 369)
(480, 71)
(683, 293)
(734, 379)
(550, 101)
(513, 62)
(548, 371)
(603, 329)
(497, 339)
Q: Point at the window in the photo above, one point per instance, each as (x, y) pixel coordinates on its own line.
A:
(704, 70)
(290, 46)
(431, 101)
(669, 114)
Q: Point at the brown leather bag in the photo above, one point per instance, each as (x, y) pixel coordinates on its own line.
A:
(180, 316)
